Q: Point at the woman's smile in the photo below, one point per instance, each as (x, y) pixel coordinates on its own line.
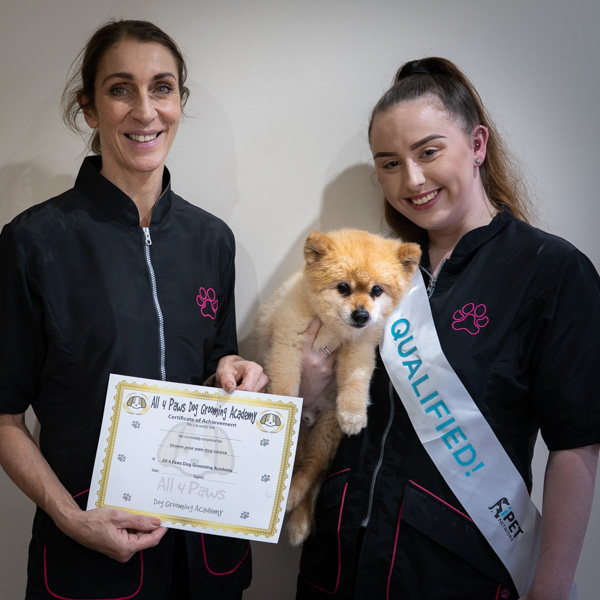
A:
(424, 199)
(142, 137)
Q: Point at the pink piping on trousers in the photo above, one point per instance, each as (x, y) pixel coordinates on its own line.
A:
(226, 572)
(339, 574)
(65, 598)
(387, 594)
(121, 598)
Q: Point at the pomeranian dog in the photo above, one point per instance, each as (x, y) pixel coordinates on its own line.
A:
(352, 280)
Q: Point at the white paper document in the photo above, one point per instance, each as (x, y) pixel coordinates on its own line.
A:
(195, 457)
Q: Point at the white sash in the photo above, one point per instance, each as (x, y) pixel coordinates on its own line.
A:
(458, 438)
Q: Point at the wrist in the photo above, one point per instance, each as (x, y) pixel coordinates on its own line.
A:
(65, 512)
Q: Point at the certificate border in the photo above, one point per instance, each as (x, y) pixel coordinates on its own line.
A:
(284, 468)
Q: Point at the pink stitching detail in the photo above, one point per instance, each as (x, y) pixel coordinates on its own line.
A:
(64, 598)
(226, 572)
(502, 592)
(336, 473)
(442, 501)
(204, 297)
(121, 598)
(476, 313)
(389, 581)
(339, 573)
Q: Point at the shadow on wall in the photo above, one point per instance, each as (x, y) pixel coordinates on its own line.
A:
(25, 184)
(352, 199)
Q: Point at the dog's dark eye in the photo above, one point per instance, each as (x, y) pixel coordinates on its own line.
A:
(344, 289)
(376, 291)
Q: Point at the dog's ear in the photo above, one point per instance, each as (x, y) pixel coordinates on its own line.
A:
(409, 255)
(317, 244)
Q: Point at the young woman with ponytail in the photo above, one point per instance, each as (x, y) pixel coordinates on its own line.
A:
(515, 313)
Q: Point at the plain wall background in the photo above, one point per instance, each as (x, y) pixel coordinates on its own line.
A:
(275, 139)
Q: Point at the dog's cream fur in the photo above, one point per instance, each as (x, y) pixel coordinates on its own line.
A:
(352, 280)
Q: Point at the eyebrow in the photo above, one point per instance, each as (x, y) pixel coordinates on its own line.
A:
(129, 76)
(425, 140)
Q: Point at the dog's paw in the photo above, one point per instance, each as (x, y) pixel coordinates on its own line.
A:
(298, 490)
(351, 422)
(294, 498)
(298, 528)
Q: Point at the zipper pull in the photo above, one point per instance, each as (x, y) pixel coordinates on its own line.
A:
(148, 239)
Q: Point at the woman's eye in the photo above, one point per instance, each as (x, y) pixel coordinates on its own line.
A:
(392, 164)
(164, 88)
(429, 153)
(344, 289)
(118, 90)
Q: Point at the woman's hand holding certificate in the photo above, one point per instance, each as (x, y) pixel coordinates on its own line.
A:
(195, 457)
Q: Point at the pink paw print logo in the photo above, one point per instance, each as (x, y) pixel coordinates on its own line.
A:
(208, 303)
(505, 593)
(470, 318)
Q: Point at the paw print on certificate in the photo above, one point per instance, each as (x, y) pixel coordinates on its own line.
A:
(470, 318)
(208, 303)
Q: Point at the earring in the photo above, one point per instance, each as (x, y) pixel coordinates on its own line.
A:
(478, 160)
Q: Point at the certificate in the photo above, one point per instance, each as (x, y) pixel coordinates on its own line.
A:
(195, 457)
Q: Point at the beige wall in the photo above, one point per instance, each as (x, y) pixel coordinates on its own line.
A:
(275, 141)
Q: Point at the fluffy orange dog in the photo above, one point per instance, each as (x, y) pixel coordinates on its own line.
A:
(352, 280)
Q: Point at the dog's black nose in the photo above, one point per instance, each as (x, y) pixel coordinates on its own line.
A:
(360, 316)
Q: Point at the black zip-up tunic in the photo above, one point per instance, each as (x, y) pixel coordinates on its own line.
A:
(517, 314)
(85, 291)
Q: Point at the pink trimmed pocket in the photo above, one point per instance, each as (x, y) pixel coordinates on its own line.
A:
(328, 521)
(224, 561)
(435, 538)
(72, 570)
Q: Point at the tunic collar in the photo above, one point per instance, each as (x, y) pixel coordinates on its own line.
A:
(112, 201)
(472, 240)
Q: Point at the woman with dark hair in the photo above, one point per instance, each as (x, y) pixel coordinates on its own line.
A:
(431, 501)
(104, 279)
